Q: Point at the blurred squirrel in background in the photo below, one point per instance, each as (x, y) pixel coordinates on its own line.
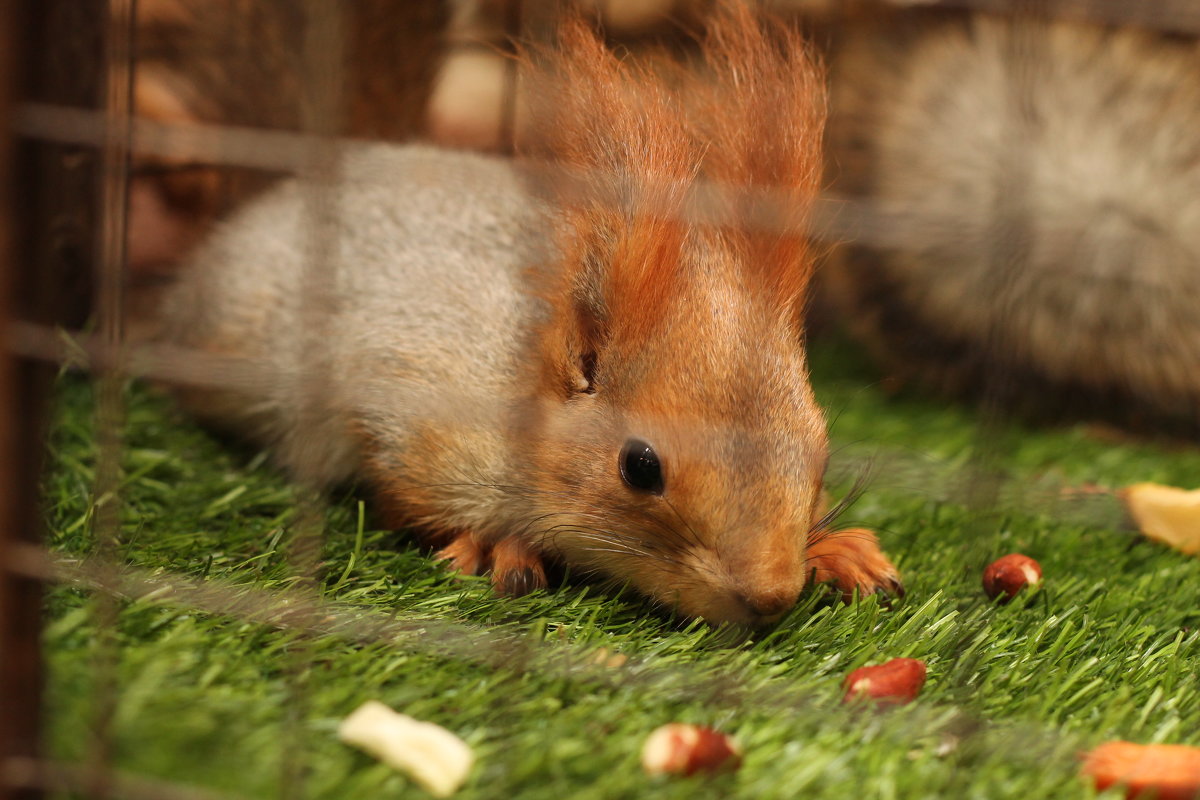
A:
(1025, 209)
(247, 64)
(574, 368)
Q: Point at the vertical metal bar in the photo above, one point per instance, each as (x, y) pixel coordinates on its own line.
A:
(513, 20)
(1024, 59)
(64, 55)
(322, 113)
(20, 596)
(50, 50)
(110, 410)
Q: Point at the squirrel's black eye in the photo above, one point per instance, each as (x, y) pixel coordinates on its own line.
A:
(640, 467)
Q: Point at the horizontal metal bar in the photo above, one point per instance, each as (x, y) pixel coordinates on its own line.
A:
(53, 776)
(275, 151)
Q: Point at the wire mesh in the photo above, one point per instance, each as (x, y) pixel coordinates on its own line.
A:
(114, 133)
(20, 595)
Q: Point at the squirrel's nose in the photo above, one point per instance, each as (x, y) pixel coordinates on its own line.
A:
(770, 603)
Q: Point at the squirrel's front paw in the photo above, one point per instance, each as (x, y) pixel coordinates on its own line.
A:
(852, 560)
(516, 568)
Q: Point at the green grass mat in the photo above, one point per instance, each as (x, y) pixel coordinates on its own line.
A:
(1109, 649)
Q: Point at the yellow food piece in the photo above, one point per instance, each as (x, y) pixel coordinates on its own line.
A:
(429, 754)
(1166, 514)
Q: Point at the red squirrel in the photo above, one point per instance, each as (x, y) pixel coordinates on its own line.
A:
(581, 374)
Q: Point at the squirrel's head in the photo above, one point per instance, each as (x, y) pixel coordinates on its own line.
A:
(676, 443)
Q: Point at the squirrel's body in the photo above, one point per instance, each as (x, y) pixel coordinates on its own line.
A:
(562, 368)
(1040, 181)
(421, 317)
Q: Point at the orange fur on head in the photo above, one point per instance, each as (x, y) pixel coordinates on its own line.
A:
(624, 142)
(635, 137)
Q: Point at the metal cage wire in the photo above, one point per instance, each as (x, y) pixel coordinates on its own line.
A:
(95, 117)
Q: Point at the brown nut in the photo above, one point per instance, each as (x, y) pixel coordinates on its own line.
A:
(1164, 771)
(680, 749)
(897, 682)
(1009, 575)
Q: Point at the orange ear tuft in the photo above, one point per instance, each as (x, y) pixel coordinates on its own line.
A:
(630, 156)
(634, 137)
(763, 110)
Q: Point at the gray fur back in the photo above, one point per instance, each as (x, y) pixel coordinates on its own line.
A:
(419, 310)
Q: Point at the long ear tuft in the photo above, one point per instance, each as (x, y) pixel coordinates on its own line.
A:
(629, 140)
(763, 111)
(627, 157)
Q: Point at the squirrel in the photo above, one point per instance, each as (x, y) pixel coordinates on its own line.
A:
(524, 373)
(1031, 199)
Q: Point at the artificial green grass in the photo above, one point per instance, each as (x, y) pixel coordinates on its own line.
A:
(1110, 648)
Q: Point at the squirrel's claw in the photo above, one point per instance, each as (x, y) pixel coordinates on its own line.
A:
(465, 553)
(517, 568)
(852, 560)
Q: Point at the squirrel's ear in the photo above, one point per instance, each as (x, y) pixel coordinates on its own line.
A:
(622, 156)
(764, 111)
(583, 355)
(587, 328)
(571, 342)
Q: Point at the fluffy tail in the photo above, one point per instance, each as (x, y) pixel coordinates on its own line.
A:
(1041, 187)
